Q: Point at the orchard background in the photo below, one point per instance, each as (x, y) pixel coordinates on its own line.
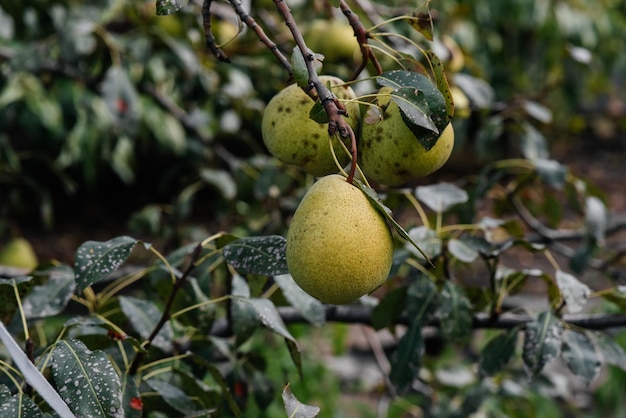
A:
(131, 161)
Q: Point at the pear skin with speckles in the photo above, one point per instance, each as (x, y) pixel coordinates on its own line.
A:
(390, 154)
(339, 246)
(292, 137)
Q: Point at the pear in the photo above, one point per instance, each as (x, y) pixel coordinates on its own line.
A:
(332, 38)
(390, 154)
(293, 137)
(339, 246)
(18, 253)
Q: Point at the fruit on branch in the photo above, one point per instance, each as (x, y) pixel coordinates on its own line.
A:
(339, 246)
(390, 154)
(293, 137)
(18, 253)
(332, 38)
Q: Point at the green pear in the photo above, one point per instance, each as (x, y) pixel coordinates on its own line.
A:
(339, 246)
(293, 137)
(332, 38)
(18, 253)
(390, 154)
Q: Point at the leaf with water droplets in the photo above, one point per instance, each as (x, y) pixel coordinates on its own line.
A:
(311, 308)
(173, 396)
(455, 313)
(95, 260)
(51, 297)
(144, 316)
(574, 292)
(20, 405)
(167, 7)
(269, 316)
(580, 356)
(264, 256)
(86, 380)
(542, 342)
(295, 408)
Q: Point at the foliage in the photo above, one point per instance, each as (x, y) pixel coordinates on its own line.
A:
(487, 306)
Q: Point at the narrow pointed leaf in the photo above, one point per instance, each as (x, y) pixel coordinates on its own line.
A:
(295, 408)
(311, 308)
(144, 316)
(264, 256)
(442, 83)
(498, 352)
(96, 260)
(269, 316)
(455, 313)
(542, 342)
(173, 396)
(406, 360)
(86, 380)
(574, 292)
(580, 356)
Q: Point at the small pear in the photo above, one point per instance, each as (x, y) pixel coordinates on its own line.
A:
(293, 137)
(390, 154)
(18, 253)
(339, 246)
(332, 38)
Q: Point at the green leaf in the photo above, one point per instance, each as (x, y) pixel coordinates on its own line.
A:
(20, 405)
(269, 316)
(264, 256)
(442, 196)
(610, 350)
(296, 355)
(407, 358)
(534, 145)
(299, 68)
(244, 317)
(442, 83)
(580, 356)
(144, 316)
(8, 302)
(463, 252)
(422, 105)
(574, 292)
(295, 408)
(551, 171)
(51, 297)
(455, 313)
(498, 352)
(422, 299)
(421, 20)
(173, 396)
(86, 380)
(166, 7)
(95, 260)
(542, 342)
(263, 389)
(311, 308)
(386, 212)
(426, 241)
(217, 376)
(131, 398)
(222, 180)
(389, 309)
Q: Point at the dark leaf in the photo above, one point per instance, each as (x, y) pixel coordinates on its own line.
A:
(498, 352)
(422, 21)
(296, 356)
(243, 315)
(407, 358)
(580, 356)
(144, 316)
(295, 408)
(20, 406)
(389, 309)
(264, 256)
(455, 313)
(542, 342)
(96, 260)
(8, 302)
(611, 351)
(131, 398)
(167, 7)
(414, 108)
(263, 389)
(86, 380)
(173, 396)
(311, 308)
(51, 297)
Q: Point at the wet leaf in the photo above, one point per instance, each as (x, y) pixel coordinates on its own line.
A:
(498, 352)
(86, 380)
(173, 396)
(414, 107)
(20, 405)
(574, 292)
(441, 197)
(442, 82)
(610, 350)
(167, 7)
(144, 316)
(244, 317)
(455, 313)
(542, 342)
(462, 251)
(311, 308)
(295, 408)
(269, 316)
(580, 356)
(51, 297)
(264, 256)
(95, 260)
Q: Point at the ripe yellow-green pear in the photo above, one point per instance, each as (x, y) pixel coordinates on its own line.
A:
(339, 246)
(293, 137)
(18, 253)
(332, 38)
(390, 154)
